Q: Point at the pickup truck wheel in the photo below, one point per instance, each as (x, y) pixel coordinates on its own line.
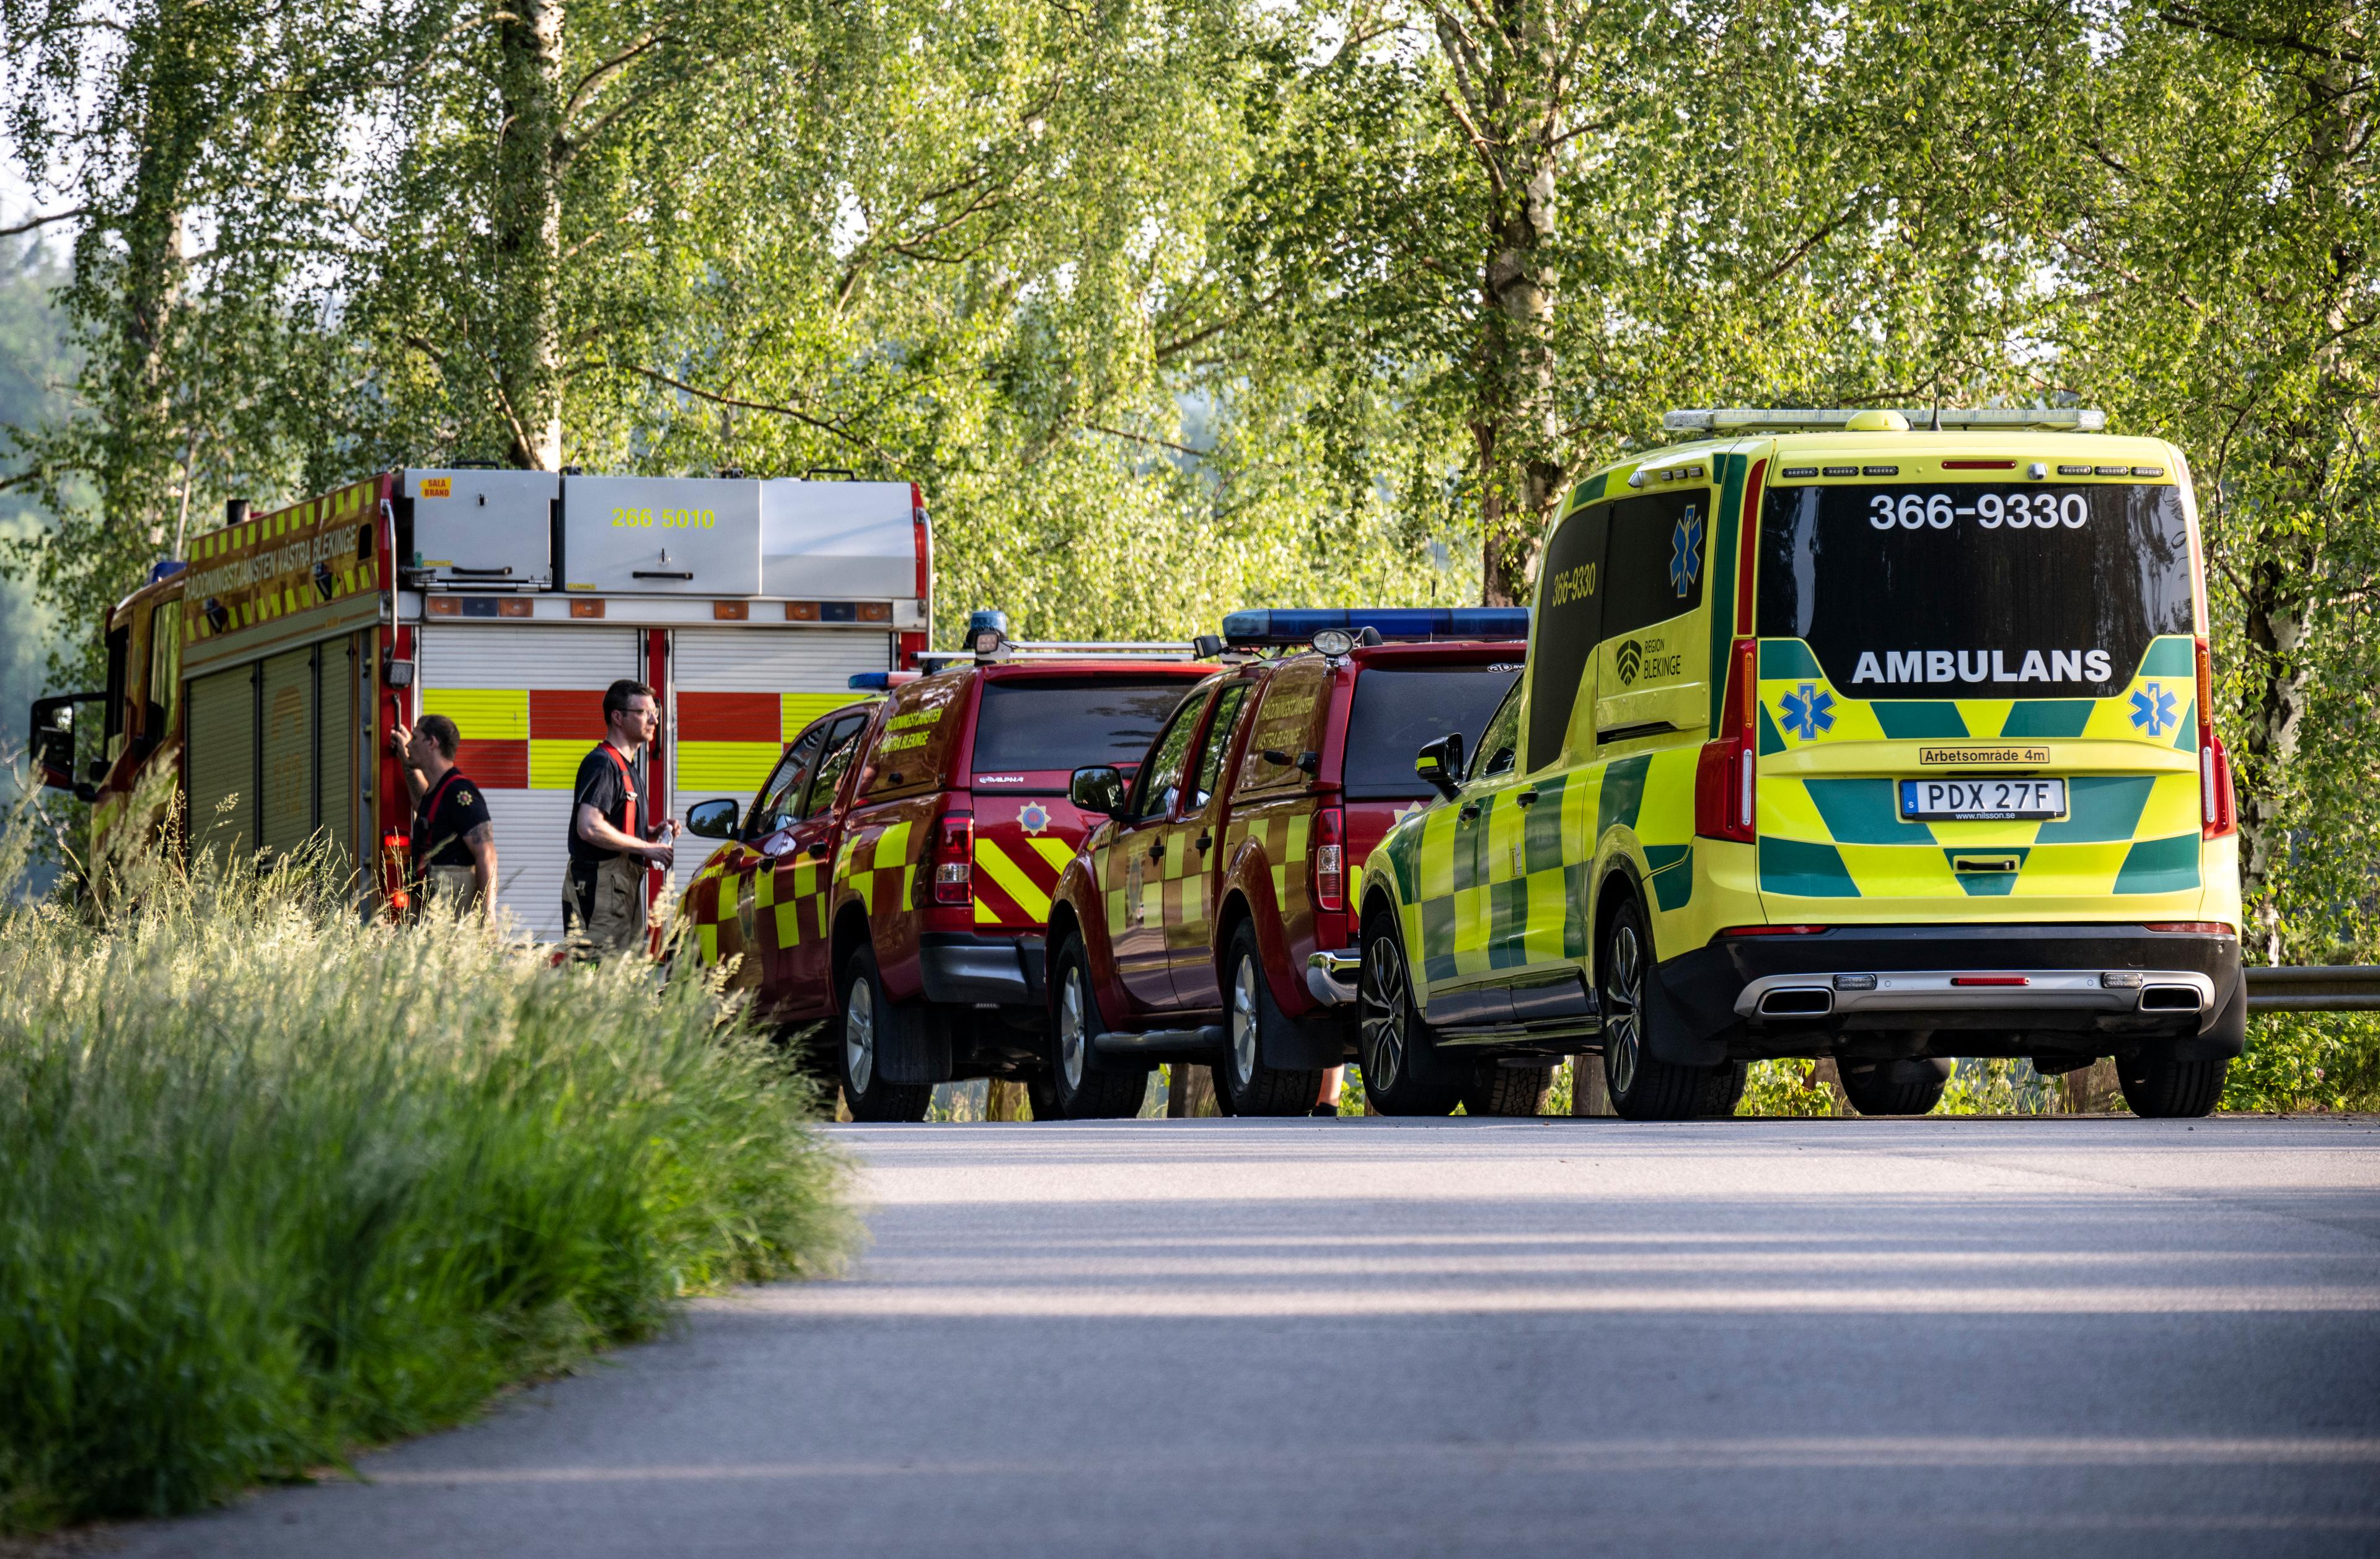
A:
(1243, 1085)
(1906, 1087)
(2159, 1088)
(1642, 1087)
(1074, 1087)
(1390, 1029)
(866, 1013)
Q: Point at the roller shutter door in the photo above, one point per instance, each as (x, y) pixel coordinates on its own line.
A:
(288, 818)
(336, 759)
(739, 694)
(221, 761)
(528, 701)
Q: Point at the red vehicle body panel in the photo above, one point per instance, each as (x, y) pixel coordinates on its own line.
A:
(1156, 898)
(791, 900)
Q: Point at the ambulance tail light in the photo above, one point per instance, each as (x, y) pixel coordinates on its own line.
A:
(1330, 859)
(1724, 772)
(953, 858)
(2218, 809)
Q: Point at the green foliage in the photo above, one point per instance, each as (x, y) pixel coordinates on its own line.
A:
(2308, 1061)
(279, 1183)
(1788, 1087)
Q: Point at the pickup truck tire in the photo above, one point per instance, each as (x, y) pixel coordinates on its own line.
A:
(1642, 1087)
(868, 1017)
(1390, 1029)
(2161, 1088)
(1075, 1086)
(1244, 1083)
(1905, 1087)
(1496, 1089)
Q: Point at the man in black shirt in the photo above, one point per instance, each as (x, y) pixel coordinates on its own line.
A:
(453, 841)
(604, 897)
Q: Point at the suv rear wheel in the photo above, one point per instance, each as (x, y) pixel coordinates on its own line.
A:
(1906, 1087)
(869, 1018)
(2159, 1088)
(1390, 1029)
(1496, 1089)
(1243, 1085)
(1074, 1087)
(1643, 1087)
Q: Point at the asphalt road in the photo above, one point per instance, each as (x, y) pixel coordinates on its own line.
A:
(1377, 1338)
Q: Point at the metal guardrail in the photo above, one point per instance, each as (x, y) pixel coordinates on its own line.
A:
(2345, 987)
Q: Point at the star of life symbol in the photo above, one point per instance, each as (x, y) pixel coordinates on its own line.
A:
(1033, 818)
(2152, 709)
(1687, 552)
(1809, 710)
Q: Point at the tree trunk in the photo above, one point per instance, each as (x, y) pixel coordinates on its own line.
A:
(1507, 102)
(1189, 1091)
(1004, 1100)
(530, 156)
(2276, 614)
(1589, 1094)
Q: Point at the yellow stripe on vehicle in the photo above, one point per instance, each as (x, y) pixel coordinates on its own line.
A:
(482, 714)
(725, 765)
(993, 861)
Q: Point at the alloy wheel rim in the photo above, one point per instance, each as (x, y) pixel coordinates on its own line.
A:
(1383, 1027)
(1243, 1022)
(860, 1037)
(1623, 993)
(1069, 1032)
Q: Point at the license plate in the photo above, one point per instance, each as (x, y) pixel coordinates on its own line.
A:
(1982, 801)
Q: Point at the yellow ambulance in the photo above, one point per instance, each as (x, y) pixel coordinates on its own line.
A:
(1879, 735)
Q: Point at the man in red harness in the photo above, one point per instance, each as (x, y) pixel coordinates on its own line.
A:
(454, 840)
(603, 896)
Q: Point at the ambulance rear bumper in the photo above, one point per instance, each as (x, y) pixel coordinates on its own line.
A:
(1967, 989)
(963, 970)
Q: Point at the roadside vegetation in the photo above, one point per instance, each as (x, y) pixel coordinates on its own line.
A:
(278, 1184)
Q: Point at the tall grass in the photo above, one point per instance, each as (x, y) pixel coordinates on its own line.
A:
(276, 1183)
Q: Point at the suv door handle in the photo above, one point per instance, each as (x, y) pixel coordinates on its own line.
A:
(817, 850)
(1157, 849)
(1468, 812)
(1205, 839)
(1526, 798)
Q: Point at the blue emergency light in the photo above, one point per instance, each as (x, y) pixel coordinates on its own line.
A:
(1252, 630)
(879, 681)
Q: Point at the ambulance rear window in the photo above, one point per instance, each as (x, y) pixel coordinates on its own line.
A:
(1397, 713)
(1976, 588)
(1026, 723)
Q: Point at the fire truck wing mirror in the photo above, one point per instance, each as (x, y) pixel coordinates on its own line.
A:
(52, 727)
(1099, 790)
(1439, 762)
(713, 819)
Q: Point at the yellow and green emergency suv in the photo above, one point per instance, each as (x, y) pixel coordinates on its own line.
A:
(1876, 735)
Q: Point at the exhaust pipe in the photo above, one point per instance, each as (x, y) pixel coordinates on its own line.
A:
(1797, 1001)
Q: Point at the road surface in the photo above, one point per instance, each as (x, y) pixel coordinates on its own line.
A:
(1382, 1339)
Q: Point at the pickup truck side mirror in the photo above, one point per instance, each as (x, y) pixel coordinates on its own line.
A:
(713, 819)
(1439, 762)
(1098, 790)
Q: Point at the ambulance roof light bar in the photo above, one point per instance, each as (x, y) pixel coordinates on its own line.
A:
(1978, 419)
(1299, 626)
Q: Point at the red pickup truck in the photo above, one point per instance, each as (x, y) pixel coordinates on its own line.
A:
(1207, 919)
(895, 875)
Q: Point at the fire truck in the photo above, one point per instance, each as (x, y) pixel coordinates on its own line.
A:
(263, 674)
